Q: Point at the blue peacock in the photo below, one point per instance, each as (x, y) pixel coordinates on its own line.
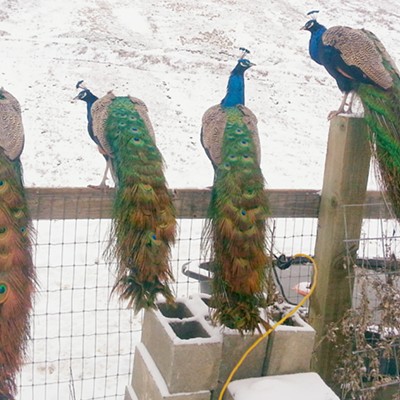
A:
(89, 98)
(361, 65)
(238, 209)
(144, 222)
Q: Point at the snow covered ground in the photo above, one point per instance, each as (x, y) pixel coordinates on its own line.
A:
(176, 56)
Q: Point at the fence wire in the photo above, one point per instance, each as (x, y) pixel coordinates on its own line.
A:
(83, 338)
(374, 279)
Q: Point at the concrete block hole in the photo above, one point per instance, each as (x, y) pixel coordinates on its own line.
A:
(189, 330)
(177, 310)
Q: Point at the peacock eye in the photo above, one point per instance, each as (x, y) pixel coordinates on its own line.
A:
(3, 292)
(18, 213)
(3, 185)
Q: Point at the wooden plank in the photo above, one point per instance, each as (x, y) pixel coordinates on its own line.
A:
(345, 182)
(69, 203)
(83, 203)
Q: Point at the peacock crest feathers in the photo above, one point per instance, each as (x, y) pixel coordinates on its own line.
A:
(144, 221)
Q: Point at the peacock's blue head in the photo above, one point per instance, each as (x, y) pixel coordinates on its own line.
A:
(242, 65)
(312, 26)
(85, 94)
(245, 64)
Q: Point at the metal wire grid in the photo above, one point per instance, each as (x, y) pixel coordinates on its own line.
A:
(377, 271)
(291, 236)
(83, 339)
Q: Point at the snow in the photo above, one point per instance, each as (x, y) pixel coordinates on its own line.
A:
(302, 386)
(176, 56)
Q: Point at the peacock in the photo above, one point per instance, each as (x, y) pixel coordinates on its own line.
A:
(361, 65)
(238, 209)
(144, 221)
(90, 98)
(17, 273)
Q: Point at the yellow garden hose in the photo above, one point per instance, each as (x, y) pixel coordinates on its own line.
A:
(280, 322)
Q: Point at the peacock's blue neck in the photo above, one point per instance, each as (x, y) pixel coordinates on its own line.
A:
(90, 100)
(315, 43)
(235, 90)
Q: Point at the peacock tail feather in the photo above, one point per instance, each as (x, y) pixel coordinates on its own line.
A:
(143, 213)
(237, 215)
(382, 115)
(17, 276)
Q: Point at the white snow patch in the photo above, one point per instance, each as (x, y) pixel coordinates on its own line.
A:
(303, 386)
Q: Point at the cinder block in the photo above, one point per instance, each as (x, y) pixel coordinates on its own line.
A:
(302, 386)
(234, 346)
(185, 349)
(289, 348)
(148, 383)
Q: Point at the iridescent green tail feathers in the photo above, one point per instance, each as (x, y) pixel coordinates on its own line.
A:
(144, 222)
(382, 114)
(17, 274)
(237, 214)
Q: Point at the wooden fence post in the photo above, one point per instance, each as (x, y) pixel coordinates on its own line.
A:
(345, 182)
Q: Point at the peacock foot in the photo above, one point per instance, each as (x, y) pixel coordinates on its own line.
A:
(333, 114)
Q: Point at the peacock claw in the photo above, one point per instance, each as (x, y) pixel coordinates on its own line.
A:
(333, 114)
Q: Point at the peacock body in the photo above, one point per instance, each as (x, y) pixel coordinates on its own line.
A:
(144, 222)
(238, 209)
(17, 274)
(360, 64)
(89, 98)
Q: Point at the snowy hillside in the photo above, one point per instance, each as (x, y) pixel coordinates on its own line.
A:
(176, 56)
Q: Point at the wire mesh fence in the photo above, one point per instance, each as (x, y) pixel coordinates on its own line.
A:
(83, 337)
(372, 327)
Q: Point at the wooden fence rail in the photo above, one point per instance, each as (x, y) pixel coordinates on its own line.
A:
(87, 203)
